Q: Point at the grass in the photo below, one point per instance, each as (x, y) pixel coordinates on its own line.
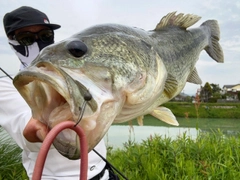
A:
(210, 156)
(205, 110)
(10, 160)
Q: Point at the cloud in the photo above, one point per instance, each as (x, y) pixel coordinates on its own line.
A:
(4, 47)
(232, 44)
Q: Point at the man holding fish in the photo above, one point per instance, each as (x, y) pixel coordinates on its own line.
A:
(129, 73)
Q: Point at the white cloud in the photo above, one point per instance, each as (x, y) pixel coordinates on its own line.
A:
(238, 4)
(232, 44)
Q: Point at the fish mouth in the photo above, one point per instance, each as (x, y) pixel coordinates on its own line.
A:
(54, 97)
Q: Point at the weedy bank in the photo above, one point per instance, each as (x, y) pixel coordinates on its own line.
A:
(210, 156)
(205, 110)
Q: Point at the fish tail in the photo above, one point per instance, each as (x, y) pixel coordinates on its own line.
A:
(214, 49)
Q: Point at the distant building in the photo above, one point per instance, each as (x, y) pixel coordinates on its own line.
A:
(231, 91)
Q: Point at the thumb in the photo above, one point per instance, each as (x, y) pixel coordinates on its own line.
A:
(35, 131)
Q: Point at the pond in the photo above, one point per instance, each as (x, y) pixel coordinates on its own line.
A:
(119, 134)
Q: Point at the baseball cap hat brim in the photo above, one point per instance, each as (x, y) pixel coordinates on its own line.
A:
(24, 17)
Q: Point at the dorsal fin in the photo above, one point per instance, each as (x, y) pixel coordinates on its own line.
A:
(194, 77)
(180, 20)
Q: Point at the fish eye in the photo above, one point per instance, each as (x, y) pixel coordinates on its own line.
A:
(77, 48)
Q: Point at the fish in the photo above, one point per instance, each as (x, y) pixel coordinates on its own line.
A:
(112, 73)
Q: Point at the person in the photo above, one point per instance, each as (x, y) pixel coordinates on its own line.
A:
(29, 31)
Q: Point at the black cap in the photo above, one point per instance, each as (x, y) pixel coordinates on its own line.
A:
(26, 16)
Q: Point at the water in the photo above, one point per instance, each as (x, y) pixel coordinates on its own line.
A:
(119, 134)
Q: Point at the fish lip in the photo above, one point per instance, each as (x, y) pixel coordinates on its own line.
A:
(24, 83)
(53, 77)
(67, 149)
(34, 74)
(24, 78)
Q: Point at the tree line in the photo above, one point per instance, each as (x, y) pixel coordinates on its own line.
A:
(212, 92)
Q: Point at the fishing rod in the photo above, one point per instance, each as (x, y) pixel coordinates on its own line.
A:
(109, 164)
(6, 73)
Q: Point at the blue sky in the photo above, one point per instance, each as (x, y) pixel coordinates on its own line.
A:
(75, 15)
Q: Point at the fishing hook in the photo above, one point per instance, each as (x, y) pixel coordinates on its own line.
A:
(87, 97)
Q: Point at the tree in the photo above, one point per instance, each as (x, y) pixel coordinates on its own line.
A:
(216, 91)
(238, 94)
(206, 92)
(215, 88)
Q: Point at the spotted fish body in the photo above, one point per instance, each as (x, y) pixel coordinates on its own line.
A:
(128, 72)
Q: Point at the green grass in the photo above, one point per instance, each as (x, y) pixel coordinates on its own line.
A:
(206, 110)
(210, 156)
(10, 160)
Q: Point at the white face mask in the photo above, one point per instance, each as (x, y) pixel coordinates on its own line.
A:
(26, 54)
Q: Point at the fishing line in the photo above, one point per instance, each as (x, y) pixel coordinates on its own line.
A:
(6, 73)
(87, 97)
(23, 63)
(82, 109)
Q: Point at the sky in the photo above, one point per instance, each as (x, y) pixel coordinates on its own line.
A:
(76, 15)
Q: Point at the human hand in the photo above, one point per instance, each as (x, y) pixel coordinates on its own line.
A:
(35, 131)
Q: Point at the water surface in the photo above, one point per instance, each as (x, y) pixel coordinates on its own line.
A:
(118, 135)
(191, 127)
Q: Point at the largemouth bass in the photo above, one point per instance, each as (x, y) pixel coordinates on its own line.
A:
(113, 73)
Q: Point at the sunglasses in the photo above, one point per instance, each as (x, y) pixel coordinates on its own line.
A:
(28, 38)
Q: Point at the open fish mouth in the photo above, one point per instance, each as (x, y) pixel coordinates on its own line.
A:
(54, 97)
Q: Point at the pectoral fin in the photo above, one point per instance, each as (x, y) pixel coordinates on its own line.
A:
(164, 114)
(171, 85)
